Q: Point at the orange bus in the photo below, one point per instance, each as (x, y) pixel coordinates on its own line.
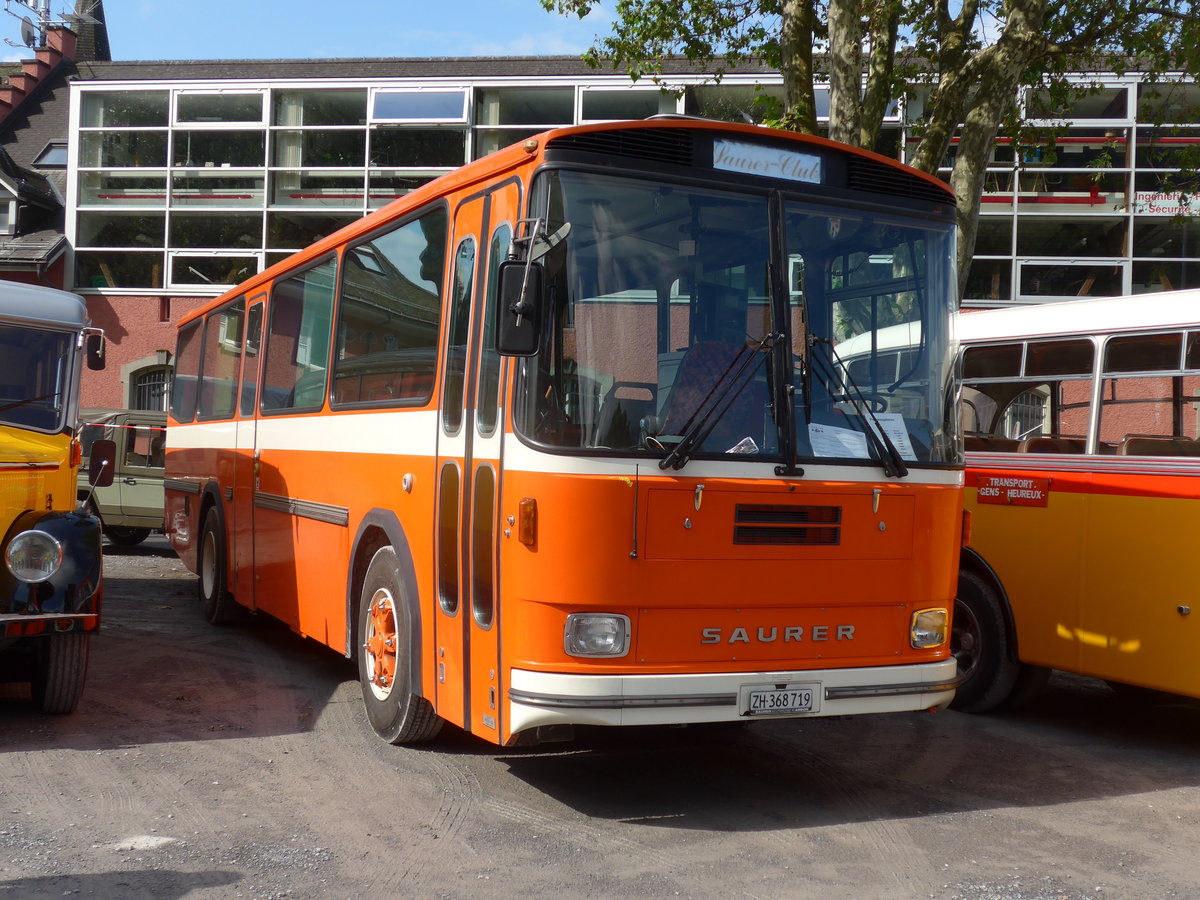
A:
(1082, 461)
(561, 438)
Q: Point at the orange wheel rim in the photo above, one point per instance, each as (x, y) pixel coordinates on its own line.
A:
(381, 643)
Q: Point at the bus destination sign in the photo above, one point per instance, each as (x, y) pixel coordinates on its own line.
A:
(1014, 490)
(772, 162)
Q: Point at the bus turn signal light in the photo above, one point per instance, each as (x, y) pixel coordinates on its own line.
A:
(527, 522)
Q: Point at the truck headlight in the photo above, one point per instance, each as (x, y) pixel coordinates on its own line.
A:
(596, 634)
(928, 628)
(33, 556)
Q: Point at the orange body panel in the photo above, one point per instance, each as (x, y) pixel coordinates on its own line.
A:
(1095, 577)
(584, 560)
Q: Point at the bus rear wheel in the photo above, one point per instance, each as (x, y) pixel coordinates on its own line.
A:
(215, 600)
(384, 635)
(980, 643)
(59, 670)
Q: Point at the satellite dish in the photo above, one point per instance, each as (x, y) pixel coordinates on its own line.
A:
(29, 34)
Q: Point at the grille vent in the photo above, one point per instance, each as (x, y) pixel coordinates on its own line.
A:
(868, 175)
(671, 145)
(771, 525)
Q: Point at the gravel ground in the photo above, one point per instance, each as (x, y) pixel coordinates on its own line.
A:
(236, 762)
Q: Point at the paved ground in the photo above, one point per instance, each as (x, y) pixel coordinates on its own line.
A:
(212, 763)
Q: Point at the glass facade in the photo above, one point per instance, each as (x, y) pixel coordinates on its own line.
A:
(1095, 207)
(190, 187)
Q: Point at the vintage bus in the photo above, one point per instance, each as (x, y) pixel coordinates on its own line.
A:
(50, 585)
(1080, 424)
(561, 438)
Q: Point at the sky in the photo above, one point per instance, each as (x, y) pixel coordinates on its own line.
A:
(307, 29)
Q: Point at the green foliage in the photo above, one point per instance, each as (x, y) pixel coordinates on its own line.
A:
(967, 60)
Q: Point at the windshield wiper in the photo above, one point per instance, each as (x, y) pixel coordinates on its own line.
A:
(722, 394)
(889, 457)
(27, 401)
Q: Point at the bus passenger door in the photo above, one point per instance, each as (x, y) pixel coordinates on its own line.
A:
(241, 520)
(467, 632)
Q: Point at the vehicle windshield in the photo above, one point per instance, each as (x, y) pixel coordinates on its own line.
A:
(35, 372)
(686, 317)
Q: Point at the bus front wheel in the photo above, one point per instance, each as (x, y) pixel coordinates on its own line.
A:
(59, 670)
(384, 635)
(215, 600)
(980, 643)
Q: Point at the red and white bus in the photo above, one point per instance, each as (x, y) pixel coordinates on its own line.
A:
(1082, 462)
(562, 438)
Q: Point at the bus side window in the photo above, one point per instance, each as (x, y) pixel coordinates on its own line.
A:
(222, 360)
(1149, 415)
(488, 400)
(297, 356)
(456, 340)
(389, 315)
(187, 371)
(1146, 409)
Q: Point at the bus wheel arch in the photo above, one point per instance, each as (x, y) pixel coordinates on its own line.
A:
(982, 639)
(984, 642)
(385, 633)
(212, 565)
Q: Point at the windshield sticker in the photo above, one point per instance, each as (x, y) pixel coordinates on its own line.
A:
(892, 424)
(830, 440)
(771, 162)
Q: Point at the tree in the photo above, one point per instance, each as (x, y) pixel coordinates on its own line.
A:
(972, 56)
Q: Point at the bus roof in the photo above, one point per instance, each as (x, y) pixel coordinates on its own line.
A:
(39, 305)
(1139, 312)
(513, 156)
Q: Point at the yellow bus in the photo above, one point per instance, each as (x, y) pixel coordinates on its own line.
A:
(561, 438)
(51, 583)
(1083, 480)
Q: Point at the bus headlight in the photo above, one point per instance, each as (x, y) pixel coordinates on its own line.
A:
(33, 556)
(596, 634)
(928, 628)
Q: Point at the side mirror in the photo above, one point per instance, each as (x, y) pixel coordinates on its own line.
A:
(519, 309)
(95, 351)
(102, 463)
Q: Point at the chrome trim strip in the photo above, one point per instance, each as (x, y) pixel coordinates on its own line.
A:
(305, 509)
(890, 690)
(552, 701)
(179, 484)
(47, 617)
(1085, 462)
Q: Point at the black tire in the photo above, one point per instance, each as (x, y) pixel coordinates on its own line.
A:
(981, 644)
(126, 537)
(59, 671)
(384, 635)
(215, 600)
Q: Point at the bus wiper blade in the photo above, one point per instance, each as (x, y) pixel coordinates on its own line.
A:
(6, 407)
(889, 457)
(723, 393)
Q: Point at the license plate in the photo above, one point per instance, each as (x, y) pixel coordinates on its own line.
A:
(780, 700)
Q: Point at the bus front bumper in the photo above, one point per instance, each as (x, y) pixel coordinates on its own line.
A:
(538, 699)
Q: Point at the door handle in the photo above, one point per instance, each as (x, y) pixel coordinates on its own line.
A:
(130, 480)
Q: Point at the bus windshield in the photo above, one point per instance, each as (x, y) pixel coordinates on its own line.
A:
(35, 372)
(717, 319)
